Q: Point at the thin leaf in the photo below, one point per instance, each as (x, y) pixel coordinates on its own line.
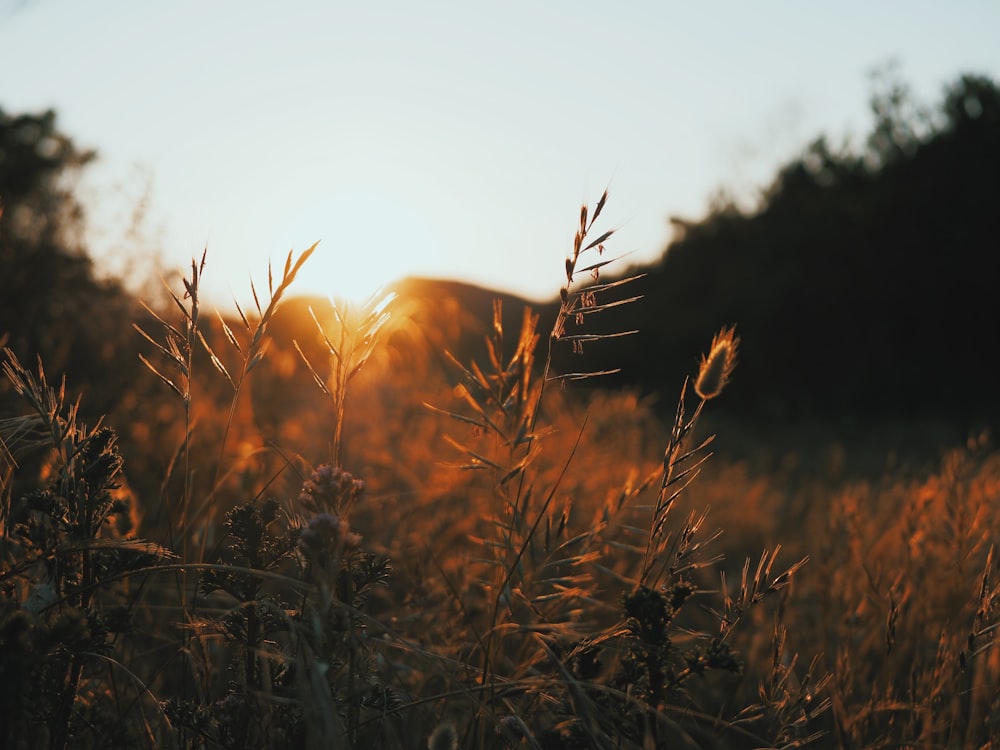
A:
(584, 375)
(243, 317)
(596, 336)
(161, 376)
(180, 304)
(171, 353)
(459, 417)
(331, 348)
(599, 264)
(607, 305)
(161, 321)
(215, 360)
(357, 367)
(610, 284)
(320, 381)
(598, 208)
(598, 241)
(481, 459)
(255, 360)
(253, 291)
(229, 334)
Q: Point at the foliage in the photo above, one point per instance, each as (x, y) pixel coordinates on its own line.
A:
(861, 282)
(63, 600)
(54, 304)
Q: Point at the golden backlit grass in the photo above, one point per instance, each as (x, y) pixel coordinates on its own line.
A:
(345, 537)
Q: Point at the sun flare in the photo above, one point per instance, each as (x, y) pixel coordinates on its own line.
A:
(367, 240)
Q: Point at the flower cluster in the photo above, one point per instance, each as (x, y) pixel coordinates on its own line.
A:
(326, 531)
(330, 490)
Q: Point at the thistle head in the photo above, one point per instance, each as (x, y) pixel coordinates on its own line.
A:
(715, 369)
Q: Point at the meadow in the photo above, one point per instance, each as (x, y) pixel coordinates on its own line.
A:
(323, 528)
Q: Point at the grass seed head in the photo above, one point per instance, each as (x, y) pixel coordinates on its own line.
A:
(715, 369)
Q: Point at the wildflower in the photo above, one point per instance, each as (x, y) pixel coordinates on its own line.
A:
(326, 532)
(715, 369)
(330, 488)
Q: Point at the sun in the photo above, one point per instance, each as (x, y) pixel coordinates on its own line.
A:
(368, 238)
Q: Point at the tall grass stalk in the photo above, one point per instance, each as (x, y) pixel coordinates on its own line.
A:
(178, 346)
(349, 346)
(253, 350)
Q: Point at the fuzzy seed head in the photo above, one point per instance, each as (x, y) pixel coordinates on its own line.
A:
(715, 369)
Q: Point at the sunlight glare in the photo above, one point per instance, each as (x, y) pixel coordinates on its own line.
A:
(367, 240)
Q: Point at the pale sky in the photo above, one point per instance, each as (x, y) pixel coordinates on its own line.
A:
(449, 139)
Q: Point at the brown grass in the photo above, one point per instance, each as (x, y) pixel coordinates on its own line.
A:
(349, 545)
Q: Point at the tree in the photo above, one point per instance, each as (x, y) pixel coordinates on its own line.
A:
(862, 286)
(54, 304)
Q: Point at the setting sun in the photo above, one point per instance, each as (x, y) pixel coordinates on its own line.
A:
(367, 239)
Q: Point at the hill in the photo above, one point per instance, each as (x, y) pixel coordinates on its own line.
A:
(863, 286)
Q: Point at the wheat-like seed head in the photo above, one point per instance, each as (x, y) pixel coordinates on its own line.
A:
(715, 369)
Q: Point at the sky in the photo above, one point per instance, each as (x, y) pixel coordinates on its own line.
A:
(447, 139)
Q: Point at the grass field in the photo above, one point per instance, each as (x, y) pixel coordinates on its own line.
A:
(359, 540)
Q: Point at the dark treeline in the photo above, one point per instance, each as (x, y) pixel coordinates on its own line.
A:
(864, 286)
(54, 304)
